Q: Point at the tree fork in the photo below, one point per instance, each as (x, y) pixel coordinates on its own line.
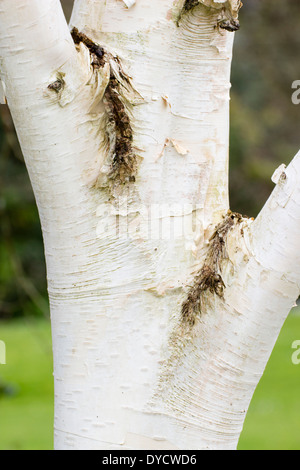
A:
(129, 372)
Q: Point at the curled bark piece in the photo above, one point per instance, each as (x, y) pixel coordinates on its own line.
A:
(228, 16)
(118, 98)
(129, 3)
(209, 278)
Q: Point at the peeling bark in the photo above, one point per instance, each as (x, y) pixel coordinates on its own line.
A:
(227, 18)
(117, 121)
(209, 278)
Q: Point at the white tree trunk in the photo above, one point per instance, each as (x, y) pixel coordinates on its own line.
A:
(165, 307)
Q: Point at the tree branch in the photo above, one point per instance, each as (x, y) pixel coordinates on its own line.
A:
(235, 333)
(276, 230)
(45, 81)
(31, 29)
(34, 43)
(36, 51)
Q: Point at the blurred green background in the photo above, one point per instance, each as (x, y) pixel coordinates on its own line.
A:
(264, 134)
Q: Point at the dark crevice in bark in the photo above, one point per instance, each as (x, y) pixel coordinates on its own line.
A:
(209, 278)
(58, 84)
(189, 4)
(94, 48)
(230, 24)
(118, 128)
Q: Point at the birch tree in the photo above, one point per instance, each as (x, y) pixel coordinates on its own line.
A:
(165, 304)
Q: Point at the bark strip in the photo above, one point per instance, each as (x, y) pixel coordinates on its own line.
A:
(209, 277)
(118, 128)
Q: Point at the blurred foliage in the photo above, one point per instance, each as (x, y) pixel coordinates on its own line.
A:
(264, 134)
(272, 421)
(26, 386)
(22, 265)
(264, 121)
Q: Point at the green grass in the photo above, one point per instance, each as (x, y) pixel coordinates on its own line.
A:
(26, 415)
(273, 419)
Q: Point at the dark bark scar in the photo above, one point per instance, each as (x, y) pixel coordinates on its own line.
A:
(209, 278)
(189, 4)
(118, 127)
(230, 25)
(58, 84)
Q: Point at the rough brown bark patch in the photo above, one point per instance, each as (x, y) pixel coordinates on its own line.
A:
(189, 4)
(119, 133)
(209, 278)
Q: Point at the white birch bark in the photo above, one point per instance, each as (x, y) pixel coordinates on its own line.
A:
(129, 372)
